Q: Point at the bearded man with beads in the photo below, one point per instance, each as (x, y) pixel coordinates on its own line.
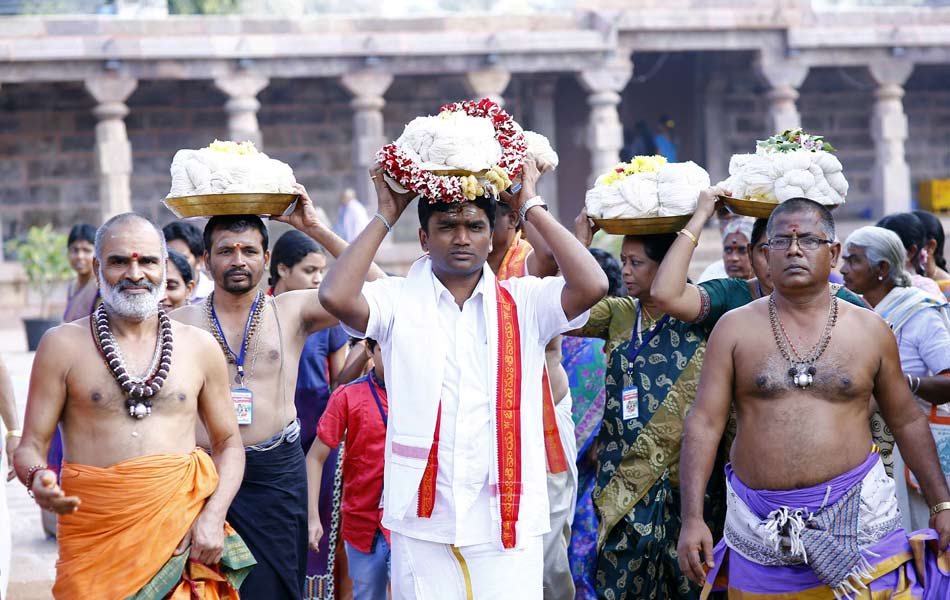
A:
(141, 509)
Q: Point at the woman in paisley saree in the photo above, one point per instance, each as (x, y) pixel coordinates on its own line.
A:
(653, 365)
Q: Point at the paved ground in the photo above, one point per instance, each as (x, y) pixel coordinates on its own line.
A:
(33, 557)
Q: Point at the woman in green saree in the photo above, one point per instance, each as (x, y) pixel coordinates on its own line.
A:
(653, 369)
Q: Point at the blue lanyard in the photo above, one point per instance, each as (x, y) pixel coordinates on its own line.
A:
(238, 360)
(636, 348)
(379, 404)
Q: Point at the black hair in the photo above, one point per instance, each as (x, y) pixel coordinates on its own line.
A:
(656, 245)
(370, 344)
(427, 209)
(758, 232)
(290, 249)
(910, 230)
(612, 269)
(503, 209)
(236, 224)
(934, 230)
(800, 205)
(81, 232)
(188, 233)
(181, 263)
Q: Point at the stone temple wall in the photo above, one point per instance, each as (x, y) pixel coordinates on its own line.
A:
(47, 134)
(48, 171)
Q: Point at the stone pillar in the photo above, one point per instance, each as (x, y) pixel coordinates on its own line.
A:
(544, 121)
(488, 83)
(367, 88)
(604, 129)
(242, 105)
(113, 150)
(784, 76)
(890, 181)
(717, 149)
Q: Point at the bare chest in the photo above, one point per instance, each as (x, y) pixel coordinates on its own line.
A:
(839, 375)
(269, 359)
(92, 387)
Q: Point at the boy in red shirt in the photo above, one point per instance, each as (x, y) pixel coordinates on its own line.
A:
(357, 411)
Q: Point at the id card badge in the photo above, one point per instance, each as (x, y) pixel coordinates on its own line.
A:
(243, 400)
(631, 403)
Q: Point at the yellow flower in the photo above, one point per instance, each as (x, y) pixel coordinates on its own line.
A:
(245, 148)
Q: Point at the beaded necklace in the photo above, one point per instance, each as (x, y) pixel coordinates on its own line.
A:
(801, 370)
(138, 390)
(250, 328)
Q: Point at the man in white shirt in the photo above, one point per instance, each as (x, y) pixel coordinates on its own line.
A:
(352, 217)
(465, 480)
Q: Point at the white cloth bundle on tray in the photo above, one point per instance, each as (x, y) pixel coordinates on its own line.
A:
(222, 171)
(780, 176)
(456, 141)
(670, 191)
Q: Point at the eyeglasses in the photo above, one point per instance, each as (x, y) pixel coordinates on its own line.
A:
(809, 242)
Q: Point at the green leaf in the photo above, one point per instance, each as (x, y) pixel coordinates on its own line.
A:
(44, 259)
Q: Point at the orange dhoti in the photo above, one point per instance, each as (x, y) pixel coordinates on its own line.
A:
(120, 543)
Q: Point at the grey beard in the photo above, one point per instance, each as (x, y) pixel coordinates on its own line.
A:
(136, 308)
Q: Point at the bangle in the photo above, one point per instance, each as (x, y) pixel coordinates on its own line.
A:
(913, 382)
(689, 234)
(939, 508)
(389, 228)
(12, 433)
(31, 474)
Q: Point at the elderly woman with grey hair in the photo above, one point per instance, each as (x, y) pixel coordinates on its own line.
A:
(873, 266)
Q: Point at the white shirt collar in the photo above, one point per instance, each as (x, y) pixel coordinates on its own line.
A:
(440, 289)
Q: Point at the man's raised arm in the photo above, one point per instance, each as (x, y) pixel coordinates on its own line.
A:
(703, 430)
(911, 431)
(313, 316)
(670, 290)
(585, 281)
(340, 293)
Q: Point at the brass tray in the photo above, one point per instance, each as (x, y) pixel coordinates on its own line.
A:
(760, 209)
(211, 205)
(643, 226)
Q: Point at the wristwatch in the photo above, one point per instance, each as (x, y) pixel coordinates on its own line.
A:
(939, 508)
(529, 204)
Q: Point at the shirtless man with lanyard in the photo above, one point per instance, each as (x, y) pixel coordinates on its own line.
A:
(262, 338)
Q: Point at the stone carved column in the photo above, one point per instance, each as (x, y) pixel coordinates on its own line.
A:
(368, 88)
(785, 76)
(890, 182)
(544, 121)
(604, 129)
(488, 83)
(242, 105)
(113, 150)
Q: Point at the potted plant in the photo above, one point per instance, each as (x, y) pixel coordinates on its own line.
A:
(44, 260)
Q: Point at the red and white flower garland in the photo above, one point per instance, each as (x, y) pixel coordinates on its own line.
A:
(448, 188)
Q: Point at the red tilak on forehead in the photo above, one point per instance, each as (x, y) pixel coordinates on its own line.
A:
(236, 245)
(135, 255)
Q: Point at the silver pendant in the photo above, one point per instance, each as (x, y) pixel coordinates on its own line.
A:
(802, 376)
(140, 411)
